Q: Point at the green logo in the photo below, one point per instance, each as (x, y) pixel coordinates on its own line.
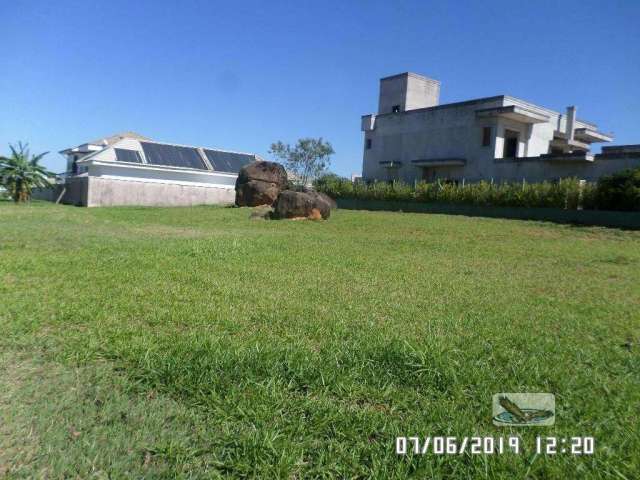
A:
(524, 409)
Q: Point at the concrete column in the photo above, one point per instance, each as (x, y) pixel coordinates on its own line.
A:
(499, 143)
(527, 139)
(571, 122)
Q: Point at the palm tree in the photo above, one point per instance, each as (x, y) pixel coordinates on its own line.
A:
(21, 172)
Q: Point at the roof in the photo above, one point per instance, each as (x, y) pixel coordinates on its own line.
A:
(479, 101)
(163, 154)
(110, 140)
(410, 74)
(106, 141)
(445, 105)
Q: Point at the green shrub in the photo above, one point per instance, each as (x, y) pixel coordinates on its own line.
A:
(567, 193)
(589, 196)
(336, 186)
(620, 191)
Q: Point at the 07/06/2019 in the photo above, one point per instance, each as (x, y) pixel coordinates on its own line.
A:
(492, 445)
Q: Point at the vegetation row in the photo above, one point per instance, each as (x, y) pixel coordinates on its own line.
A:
(620, 191)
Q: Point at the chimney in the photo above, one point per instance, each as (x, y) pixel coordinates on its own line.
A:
(571, 122)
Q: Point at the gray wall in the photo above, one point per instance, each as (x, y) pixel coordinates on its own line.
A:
(408, 90)
(73, 192)
(583, 217)
(112, 192)
(538, 171)
(101, 192)
(442, 132)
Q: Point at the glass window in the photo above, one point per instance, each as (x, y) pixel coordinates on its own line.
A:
(486, 136)
(511, 139)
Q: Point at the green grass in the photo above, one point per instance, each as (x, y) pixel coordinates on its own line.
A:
(196, 343)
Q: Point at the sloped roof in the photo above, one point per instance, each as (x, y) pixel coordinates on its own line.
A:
(110, 140)
(162, 154)
(107, 141)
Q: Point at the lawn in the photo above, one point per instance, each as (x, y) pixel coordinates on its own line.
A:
(197, 343)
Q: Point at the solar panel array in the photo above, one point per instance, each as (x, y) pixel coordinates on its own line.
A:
(228, 161)
(123, 155)
(172, 155)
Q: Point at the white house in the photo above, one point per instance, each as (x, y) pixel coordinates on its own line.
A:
(414, 137)
(130, 169)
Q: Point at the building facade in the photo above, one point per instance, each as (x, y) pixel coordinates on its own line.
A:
(501, 138)
(130, 169)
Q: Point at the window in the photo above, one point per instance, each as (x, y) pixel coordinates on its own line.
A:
(486, 136)
(74, 165)
(395, 109)
(368, 144)
(511, 138)
(131, 156)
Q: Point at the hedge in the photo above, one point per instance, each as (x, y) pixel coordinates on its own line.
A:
(616, 192)
(620, 191)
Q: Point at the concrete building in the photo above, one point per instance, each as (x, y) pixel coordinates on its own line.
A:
(129, 169)
(413, 137)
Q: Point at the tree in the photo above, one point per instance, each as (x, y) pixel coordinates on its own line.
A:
(21, 172)
(306, 160)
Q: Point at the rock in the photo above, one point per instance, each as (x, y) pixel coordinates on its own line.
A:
(260, 183)
(255, 193)
(291, 204)
(315, 214)
(263, 212)
(323, 196)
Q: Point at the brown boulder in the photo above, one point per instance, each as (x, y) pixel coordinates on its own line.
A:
(291, 204)
(324, 197)
(260, 183)
(263, 212)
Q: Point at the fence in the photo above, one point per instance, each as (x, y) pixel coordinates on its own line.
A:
(604, 218)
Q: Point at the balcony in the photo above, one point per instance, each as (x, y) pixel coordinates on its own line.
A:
(513, 112)
(580, 157)
(589, 135)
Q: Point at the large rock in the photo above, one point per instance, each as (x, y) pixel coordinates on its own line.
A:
(291, 204)
(323, 196)
(260, 183)
(263, 212)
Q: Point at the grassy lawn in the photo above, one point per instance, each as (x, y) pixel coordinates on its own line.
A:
(196, 343)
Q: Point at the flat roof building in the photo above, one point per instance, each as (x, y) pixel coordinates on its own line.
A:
(413, 138)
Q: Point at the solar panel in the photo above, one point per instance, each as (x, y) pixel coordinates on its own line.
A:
(228, 161)
(123, 155)
(172, 155)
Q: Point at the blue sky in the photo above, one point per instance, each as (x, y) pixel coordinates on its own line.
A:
(240, 75)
